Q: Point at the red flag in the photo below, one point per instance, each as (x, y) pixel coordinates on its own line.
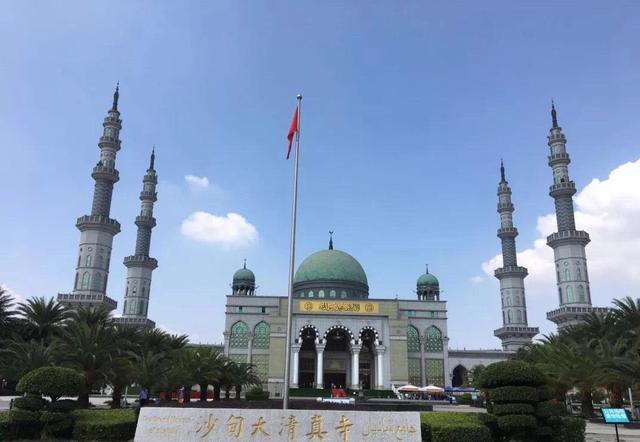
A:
(292, 130)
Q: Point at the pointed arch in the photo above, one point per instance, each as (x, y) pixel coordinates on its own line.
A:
(581, 294)
(570, 294)
(239, 337)
(413, 339)
(338, 327)
(87, 261)
(85, 280)
(261, 335)
(509, 317)
(433, 342)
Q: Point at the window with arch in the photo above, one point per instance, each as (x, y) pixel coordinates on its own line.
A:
(321, 294)
(75, 284)
(518, 300)
(508, 300)
(85, 280)
(519, 316)
(434, 339)
(509, 317)
(570, 294)
(343, 294)
(261, 335)
(560, 294)
(413, 339)
(578, 273)
(87, 261)
(97, 282)
(239, 335)
(79, 258)
(100, 261)
(567, 275)
(580, 293)
(504, 318)
(332, 294)
(310, 294)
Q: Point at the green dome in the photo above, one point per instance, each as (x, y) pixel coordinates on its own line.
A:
(428, 280)
(330, 265)
(244, 275)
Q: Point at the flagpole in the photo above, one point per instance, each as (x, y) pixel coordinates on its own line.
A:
(292, 260)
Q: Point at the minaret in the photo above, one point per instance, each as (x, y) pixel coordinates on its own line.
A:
(568, 244)
(140, 265)
(97, 230)
(515, 331)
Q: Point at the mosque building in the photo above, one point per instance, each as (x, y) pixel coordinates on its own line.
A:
(340, 335)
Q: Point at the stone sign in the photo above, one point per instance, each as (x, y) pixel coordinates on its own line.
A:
(232, 424)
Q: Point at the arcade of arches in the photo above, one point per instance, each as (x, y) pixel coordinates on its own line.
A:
(337, 359)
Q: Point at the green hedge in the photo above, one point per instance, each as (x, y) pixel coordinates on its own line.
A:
(106, 425)
(453, 427)
(54, 382)
(514, 394)
(379, 394)
(572, 429)
(24, 416)
(514, 423)
(63, 405)
(257, 394)
(30, 402)
(510, 373)
(309, 392)
(548, 409)
(56, 424)
(7, 430)
(502, 409)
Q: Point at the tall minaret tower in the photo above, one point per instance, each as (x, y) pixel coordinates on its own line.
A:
(515, 331)
(140, 265)
(568, 244)
(97, 230)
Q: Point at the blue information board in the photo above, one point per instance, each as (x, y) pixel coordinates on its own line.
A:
(615, 415)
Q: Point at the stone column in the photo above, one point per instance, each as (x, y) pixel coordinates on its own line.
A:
(355, 366)
(295, 348)
(250, 349)
(423, 370)
(226, 342)
(379, 369)
(319, 365)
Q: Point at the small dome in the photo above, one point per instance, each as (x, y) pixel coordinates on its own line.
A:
(244, 275)
(428, 280)
(330, 265)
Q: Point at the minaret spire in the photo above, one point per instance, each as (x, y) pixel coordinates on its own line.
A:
(116, 96)
(554, 115)
(153, 158)
(140, 265)
(98, 229)
(330, 240)
(515, 331)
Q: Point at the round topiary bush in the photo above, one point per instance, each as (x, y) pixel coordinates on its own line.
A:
(56, 424)
(53, 382)
(510, 373)
(514, 394)
(31, 402)
(20, 416)
(63, 405)
(502, 409)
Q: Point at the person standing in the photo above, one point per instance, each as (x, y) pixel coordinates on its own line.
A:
(143, 397)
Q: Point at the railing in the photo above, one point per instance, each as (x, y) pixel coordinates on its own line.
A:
(565, 309)
(569, 234)
(510, 269)
(567, 185)
(87, 297)
(555, 157)
(97, 219)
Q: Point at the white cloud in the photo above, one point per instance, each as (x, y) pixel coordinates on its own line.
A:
(231, 230)
(196, 182)
(609, 211)
(477, 279)
(17, 298)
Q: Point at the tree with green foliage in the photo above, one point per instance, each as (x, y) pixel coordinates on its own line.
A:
(43, 319)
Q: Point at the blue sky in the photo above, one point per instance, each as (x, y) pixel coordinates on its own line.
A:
(407, 111)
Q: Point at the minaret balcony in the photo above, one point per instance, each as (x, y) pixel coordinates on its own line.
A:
(559, 158)
(135, 321)
(105, 173)
(567, 237)
(566, 315)
(113, 120)
(507, 232)
(109, 142)
(560, 189)
(140, 261)
(503, 272)
(505, 207)
(145, 221)
(87, 299)
(516, 331)
(556, 137)
(98, 222)
(150, 177)
(146, 195)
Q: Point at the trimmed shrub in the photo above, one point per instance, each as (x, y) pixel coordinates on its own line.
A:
(502, 409)
(545, 394)
(56, 424)
(309, 392)
(514, 394)
(379, 394)
(514, 423)
(453, 427)
(107, 425)
(63, 405)
(257, 394)
(547, 409)
(54, 382)
(572, 429)
(24, 416)
(508, 373)
(31, 402)
(7, 428)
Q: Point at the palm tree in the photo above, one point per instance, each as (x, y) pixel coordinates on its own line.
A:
(7, 313)
(20, 357)
(43, 318)
(244, 375)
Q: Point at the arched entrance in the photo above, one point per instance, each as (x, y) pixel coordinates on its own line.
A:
(337, 358)
(459, 376)
(367, 359)
(307, 367)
